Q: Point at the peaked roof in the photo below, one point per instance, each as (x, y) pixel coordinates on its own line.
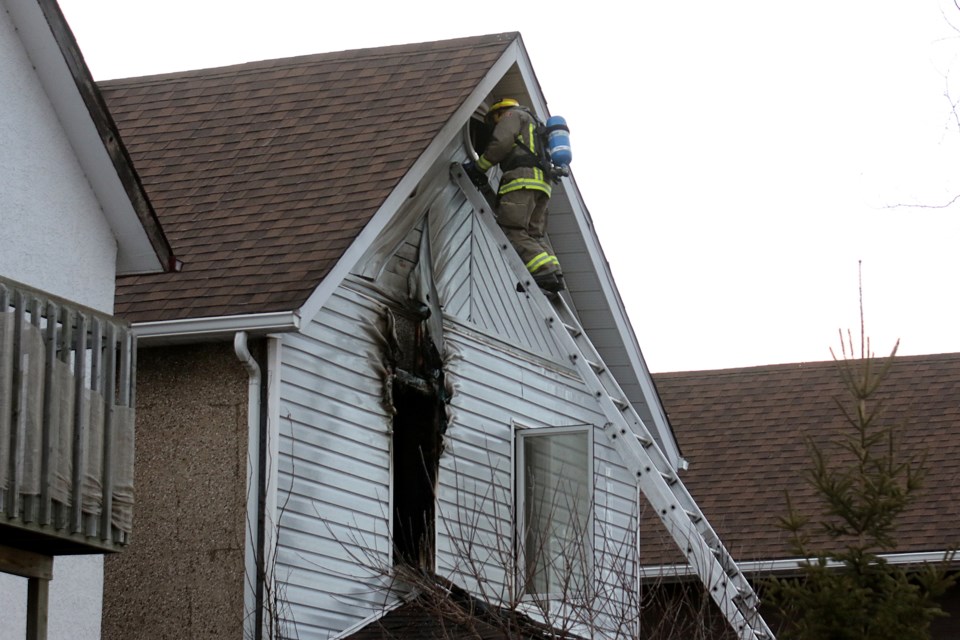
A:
(264, 173)
(743, 432)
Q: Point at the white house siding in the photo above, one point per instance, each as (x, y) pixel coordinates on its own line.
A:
(503, 368)
(475, 281)
(506, 369)
(334, 467)
(54, 234)
(335, 460)
(495, 389)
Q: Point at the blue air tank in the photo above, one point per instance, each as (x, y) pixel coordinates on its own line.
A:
(558, 141)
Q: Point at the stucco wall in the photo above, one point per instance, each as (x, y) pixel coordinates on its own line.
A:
(53, 235)
(182, 574)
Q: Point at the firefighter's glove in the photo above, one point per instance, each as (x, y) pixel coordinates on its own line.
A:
(477, 177)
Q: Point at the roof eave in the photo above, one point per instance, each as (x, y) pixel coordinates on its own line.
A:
(790, 566)
(212, 329)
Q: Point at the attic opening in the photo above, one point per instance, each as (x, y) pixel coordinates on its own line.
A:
(418, 400)
(477, 135)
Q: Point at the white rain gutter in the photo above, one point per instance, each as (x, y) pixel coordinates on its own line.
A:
(793, 564)
(251, 589)
(194, 328)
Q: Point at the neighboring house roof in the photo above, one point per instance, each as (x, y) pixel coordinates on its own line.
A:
(142, 245)
(744, 430)
(265, 173)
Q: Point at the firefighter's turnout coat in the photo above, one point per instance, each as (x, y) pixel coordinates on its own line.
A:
(514, 148)
(524, 189)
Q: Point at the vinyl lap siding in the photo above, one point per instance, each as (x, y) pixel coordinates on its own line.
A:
(335, 461)
(502, 366)
(474, 278)
(493, 390)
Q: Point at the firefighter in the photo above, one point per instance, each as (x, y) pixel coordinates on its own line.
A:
(524, 189)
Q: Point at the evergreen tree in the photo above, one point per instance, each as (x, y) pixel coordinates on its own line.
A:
(863, 483)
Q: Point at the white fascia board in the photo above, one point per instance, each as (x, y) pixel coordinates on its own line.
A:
(624, 327)
(409, 182)
(608, 285)
(135, 252)
(792, 565)
(212, 328)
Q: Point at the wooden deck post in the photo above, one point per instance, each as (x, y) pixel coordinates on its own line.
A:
(38, 570)
(38, 599)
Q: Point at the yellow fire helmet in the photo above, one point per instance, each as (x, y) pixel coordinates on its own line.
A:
(502, 103)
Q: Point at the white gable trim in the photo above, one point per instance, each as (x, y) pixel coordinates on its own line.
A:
(608, 287)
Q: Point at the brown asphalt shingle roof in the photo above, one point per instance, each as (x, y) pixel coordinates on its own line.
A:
(743, 432)
(262, 174)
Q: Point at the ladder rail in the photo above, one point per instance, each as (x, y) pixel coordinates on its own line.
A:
(658, 480)
(656, 477)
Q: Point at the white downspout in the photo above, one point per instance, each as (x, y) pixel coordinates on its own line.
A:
(251, 535)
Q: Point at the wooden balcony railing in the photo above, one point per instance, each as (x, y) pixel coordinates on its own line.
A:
(67, 380)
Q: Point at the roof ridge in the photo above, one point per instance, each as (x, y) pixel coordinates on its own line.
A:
(364, 53)
(795, 365)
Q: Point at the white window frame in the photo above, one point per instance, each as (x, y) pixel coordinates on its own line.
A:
(521, 434)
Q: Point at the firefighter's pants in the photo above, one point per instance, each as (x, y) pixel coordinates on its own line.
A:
(522, 215)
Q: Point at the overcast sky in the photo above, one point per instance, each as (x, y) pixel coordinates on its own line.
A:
(738, 159)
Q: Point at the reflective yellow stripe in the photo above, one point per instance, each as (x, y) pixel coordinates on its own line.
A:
(525, 183)
(541, 260)
(483, 164)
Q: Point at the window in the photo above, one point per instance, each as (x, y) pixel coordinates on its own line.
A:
(554, 505)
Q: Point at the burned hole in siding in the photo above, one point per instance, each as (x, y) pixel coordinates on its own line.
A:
(415, 390)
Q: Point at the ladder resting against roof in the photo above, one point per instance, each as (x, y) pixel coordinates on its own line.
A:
(655, 475)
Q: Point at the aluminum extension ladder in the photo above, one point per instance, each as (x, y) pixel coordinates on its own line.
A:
(655, 475)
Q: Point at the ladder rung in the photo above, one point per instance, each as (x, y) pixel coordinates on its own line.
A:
(693, 515)
(669, 478)
(597, 367)
(572, 330)
(622, 404)
(645, 441)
